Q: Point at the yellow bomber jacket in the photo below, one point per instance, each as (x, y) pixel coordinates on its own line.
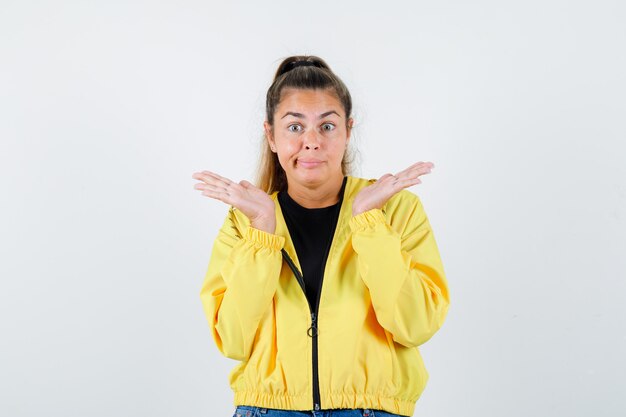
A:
(383, 294)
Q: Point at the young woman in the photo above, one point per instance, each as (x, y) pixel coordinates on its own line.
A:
(321, 284)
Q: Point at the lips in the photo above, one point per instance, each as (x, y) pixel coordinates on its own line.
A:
(309, 162)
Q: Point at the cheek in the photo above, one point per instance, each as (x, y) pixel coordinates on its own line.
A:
(286, 155)
(339, 149)
(288, 150)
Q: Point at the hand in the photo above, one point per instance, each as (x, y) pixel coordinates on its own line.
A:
(376, 195)
(255, 203)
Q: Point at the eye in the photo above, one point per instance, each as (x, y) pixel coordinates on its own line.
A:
(332, 126)
(291, 130)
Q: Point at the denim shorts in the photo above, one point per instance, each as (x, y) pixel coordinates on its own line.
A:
(252, 411)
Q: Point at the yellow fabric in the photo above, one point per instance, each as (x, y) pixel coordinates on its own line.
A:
(384, 293)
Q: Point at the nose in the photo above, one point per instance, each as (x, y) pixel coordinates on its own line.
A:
(311, 140)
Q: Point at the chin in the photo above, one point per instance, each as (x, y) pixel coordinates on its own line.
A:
(310, 176)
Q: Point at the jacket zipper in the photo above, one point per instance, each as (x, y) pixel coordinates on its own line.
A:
(311, 331)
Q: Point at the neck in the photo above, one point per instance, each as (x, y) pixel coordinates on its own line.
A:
(322, 195)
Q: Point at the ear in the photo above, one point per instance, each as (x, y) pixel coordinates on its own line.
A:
(350, 124)
(268, 134)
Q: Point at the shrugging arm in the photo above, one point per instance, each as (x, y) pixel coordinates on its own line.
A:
(239, 285)
(404, 273)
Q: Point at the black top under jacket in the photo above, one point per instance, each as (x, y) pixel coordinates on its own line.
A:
(311, 230)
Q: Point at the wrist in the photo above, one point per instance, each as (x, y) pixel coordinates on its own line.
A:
(265, 224)
(358, 210)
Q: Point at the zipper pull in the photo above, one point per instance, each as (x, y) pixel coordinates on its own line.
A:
(313, 326)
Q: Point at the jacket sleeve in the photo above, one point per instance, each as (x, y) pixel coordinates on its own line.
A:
(239, 285)
(403, 273)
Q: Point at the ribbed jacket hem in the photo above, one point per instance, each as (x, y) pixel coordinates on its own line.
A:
(283, 402)
(371, 401)
(329, 401)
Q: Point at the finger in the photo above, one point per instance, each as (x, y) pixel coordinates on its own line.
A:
(414, 165)
(384, 177)
(416, 170)
(200, 176)
(246, 184)
(428, 165)
(408, 169)
(218, 177)
(424, 169)
(207, 180)
(206, 176)
(408, 182)
(391, 181)
(211, 187)
(229, 195)
(417, 165)
(221, 196)
(229, 186)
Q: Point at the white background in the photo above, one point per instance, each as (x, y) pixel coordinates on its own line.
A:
(107, 108)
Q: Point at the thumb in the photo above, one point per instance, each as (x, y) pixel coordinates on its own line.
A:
(245, 184)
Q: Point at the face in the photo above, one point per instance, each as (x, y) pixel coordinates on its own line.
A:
(309, 135)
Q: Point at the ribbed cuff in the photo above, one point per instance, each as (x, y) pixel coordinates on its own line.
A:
(367, 219)
(264, 238)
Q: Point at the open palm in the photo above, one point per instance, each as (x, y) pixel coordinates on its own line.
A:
(376, 195)
(255, 203)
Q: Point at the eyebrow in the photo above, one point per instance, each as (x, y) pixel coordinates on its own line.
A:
(300, 115)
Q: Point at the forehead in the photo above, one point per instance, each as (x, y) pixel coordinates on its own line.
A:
(312, 101)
